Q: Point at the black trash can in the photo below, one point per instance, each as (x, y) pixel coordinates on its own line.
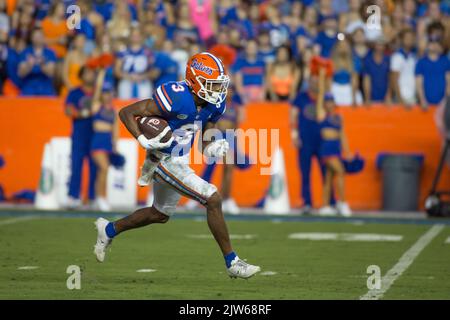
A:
(401, 181)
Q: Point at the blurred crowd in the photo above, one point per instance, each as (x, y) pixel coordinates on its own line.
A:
(396, 52)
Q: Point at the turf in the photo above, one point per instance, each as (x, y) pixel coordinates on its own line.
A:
(192, 268)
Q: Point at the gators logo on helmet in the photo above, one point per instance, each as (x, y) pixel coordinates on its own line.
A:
(206, 76)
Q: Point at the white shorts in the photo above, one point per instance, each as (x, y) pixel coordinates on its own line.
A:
(173, 178)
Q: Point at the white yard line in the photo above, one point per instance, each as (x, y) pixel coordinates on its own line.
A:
(405, 261)
(232, 236)
(331, 236)
(28, 268)
(16, 220)
(146, 270)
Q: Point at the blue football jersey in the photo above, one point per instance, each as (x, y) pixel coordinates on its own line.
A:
(177, 105)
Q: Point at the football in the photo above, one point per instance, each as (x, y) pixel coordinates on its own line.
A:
(152, 126)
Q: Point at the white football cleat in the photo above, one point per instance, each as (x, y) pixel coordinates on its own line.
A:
(102, 239)
(241, 269)
(327, 211)
(230, 206)
(344, 209)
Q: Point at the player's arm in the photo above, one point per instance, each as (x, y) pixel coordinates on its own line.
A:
(143, 108)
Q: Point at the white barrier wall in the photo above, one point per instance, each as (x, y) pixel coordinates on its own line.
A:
(121, 188)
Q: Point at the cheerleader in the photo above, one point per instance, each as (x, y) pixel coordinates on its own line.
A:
(105, 127)
(333, 143)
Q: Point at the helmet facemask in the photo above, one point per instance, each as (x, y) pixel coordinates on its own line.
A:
(213, 90)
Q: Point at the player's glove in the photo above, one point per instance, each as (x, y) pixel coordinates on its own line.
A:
(155, 143)
(218, 148)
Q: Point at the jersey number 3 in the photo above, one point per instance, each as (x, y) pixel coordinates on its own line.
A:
(177, 88)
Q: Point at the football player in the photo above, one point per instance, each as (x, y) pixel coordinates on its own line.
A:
(188, 106)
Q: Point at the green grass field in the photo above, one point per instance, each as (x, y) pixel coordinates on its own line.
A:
(189, 265)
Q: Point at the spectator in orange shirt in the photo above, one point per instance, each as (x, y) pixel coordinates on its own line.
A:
(74, 60)
(282, 76)
(55, 30)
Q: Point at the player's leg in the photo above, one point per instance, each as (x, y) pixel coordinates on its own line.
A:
(164, 205)
(106, 230)
(140, 218)
(216, 223)
(183, 179)
(207, 174)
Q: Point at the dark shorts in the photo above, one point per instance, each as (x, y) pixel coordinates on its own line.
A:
(101, 142)
(330, 149)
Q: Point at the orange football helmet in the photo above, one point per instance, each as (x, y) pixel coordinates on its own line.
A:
(207, 77)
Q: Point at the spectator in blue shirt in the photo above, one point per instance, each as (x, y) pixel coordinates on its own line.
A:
(301, 40)
(91, 25)
(249, 73)
(133, 69)
(37, 67)
(184, 28)
(15, 47)
(433, 74)
(327, 37)
(278, 31)
(237, 17)
(167, 67)
(107, 8)
(266, 51)
(375, 71)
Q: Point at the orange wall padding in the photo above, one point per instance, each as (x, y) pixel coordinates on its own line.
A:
(28, 123)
